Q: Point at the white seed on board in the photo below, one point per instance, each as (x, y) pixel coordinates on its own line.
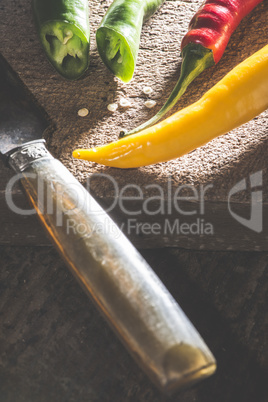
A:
(124, 102)
(150, 103)
(82, 112)
(147, 90)
(112, 107)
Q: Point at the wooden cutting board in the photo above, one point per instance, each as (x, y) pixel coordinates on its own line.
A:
(206, 216)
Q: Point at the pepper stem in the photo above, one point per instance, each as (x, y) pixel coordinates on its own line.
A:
(195, 59)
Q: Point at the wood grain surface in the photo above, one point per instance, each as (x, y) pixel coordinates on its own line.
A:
(217, 166)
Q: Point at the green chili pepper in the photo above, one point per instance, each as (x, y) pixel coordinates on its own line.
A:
(63, 27)
(118, 36)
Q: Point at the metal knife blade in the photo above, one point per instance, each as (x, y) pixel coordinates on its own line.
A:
(21, 120)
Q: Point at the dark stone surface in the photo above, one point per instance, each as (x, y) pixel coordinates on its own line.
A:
(54, 345)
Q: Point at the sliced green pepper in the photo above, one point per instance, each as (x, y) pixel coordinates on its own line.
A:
(63, 27)
(118, 36)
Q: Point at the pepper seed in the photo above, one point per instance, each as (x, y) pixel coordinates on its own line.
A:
(82, 112)
(150, 103)
(147, 90)
(124, 102)
(112, 107)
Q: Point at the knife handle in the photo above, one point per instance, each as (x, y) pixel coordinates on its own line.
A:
(132, 298)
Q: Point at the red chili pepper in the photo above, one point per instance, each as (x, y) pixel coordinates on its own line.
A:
(204, 45)
(214, 23)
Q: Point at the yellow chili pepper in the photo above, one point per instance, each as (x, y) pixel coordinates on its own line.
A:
(241, 95)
